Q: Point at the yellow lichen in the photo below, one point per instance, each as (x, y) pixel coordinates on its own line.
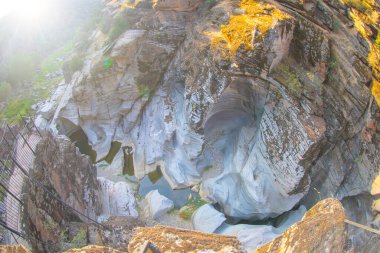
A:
(375, 188)
(243, 29)
(366, 18)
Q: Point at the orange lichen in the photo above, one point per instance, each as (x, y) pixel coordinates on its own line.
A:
(243, 29)
(366, 18)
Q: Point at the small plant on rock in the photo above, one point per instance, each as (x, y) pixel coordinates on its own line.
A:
(194, 203)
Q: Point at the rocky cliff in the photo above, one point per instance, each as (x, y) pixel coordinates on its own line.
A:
(265, 104)
(64, 200)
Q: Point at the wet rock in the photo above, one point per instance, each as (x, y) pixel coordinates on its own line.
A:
(157, 204)
(207, 219)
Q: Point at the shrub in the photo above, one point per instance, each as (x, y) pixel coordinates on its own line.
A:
(5, 91)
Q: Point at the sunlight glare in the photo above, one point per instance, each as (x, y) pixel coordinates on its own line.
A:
(28, 11)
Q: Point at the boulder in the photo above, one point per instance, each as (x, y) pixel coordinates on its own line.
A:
(117, 199)
(207, 219)
(157, 204)
(250, 236)
(168, 239)
(322, 229)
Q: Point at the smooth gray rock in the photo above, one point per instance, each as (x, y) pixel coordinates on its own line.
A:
(250, 236)
(117, 199)
(157, 204)
(207, 219)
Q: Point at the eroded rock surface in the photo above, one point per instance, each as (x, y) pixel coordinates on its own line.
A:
(288, 120)
(156, 204)
(168, 239)
(322, 229)
(65, 197)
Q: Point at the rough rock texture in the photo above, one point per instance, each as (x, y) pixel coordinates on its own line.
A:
(157, 204)
(59, 172)
(65, 195)
(94, 249)
(118, 232)
(207, 219)
(322, 229)
(290, 121)
(117, 199)
(168, 239)
(176, 5)
(13, 249)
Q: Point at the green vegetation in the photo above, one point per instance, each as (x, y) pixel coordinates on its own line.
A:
(75, 63)
(194, 203)
(331, 68)
(17, 108)
(5, 91)
(119, 25)
(41, 82)
(80, 239)
(289, 78)
(144, 91)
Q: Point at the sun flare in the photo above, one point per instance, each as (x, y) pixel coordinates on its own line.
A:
(29, 12)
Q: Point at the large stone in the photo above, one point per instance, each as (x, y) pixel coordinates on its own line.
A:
(207, 219)
(117, 199)
(67, 191)
(167, 239)
(250, 236)
(322, 229)
(157, 204)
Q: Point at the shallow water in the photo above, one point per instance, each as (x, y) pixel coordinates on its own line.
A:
(155, 181)
(152, 181)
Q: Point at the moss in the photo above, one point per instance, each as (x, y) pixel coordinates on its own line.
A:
(144, 91)
(289, 78)
(242, 30)
(194, 203)
(80, 239)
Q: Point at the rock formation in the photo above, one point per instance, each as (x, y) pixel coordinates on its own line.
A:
(322, 229)
(283, 115)
(168, 239)
(156, 204)
(65, 194)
